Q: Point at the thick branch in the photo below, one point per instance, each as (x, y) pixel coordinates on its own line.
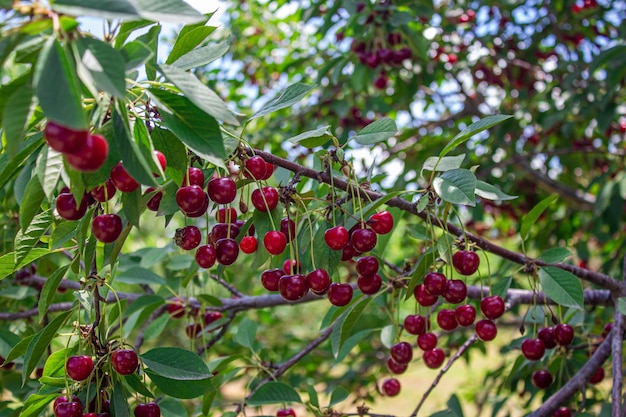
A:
(616, 348)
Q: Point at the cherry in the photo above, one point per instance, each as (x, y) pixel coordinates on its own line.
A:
(201, 210)
(227, 251)
(434, 358)
(91, 156)
(67, 208)
(291, 266)
(107, 227)
(162, 160)
(465, 314)
(363, 240)
(269, 170)
(224, 230)
(394, 38)
(65, 399)
(546, 334)
(68, 409)
(336, 237)
(415, 324)
(391, 387)
(248, 244)
(188, 237)
(176, 308)
(435, 283)
(486, 330)
(533, 349)
(270, 278)
(455, 292)
(90, 415)
(104, 192)
(293, 287)
(206, 255)
(255, 168)
(446, 319)
(395, 367)
(226, 215)
(607, 329)
(285, 412)
(597, 376)
(274, 242)
(542, 379)
(264, 199)
(465, 262)
(124, 361)
(190, 198)
(367, 266)
(64, 139)
(381, 81)
(563, 334)
(319, 280)
(154, 203)
(150, 409)
(211, 316)
(492, 306)
(562, 412)
(348, 252)
(370, 285)
(339, 294)
(79, 367)
(122, 179)
(423, 297)
(222, 190)
(194, 176)
(381, 222)
(427, 341)
(288, 228)
(193, 330)
(402, 352)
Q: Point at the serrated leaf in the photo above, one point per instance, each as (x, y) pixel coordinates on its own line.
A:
(203, 55)
(199, 94)
(102, 66)
(434, 163)
(274, 393)
(187, 41)
(531, 218)
(49, 290)
(491, 192)
(555, 255)
(376, 132)
(312, 138)
(16, 116)
(49, 168)
(25, 240)
(472, 130)
(175, 363)
(562, 286)
(31, 202)
(456, 186)
(286, 98)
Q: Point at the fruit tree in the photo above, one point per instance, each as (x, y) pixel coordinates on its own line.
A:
(343, 208)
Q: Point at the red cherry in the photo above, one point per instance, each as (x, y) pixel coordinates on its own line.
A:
(562, 412)
(67, 208)
(465, 262)
(415, 324)
(64, 139)
(193, 330)
(363, 240)
(391, 387)
(291, 266)
(348, 252)
(91, 156)
(255, 168)
(563, 334)
(370, 285)
(597, 376)
(264, 199)
(533, 349)
(492, 306)
(434, 358)
(104, 192)
(274, 242)
(427, 341)
(381, 223)
(190, 198)
(455, 292)
(423, 297)
(318, 281)
(288, 228)
(224, 230)
(465, 314)
(269, 170)
(211, 316)
(542, 379)
(206, 255)
(402, 352)
(336, 237)
(367, 266)
(285, 412)
(546, 334)
(222, 190)
(194, 176)
(68, 409)
(395, 367)
(226, 215)
(154, 203)
(201, 210)
(162, 159)
(66, 399)
(122, 179)
(381, 81)
(176, 308)
(607, 329)
(188, 237)
(446, 319)
(435, 283)
(270, 278)
(486, 330)
(79, 367)
(248, 244)
(339, 294)
(150, 409)
(106, 227)
(227, 251)
(124, 361)
(293, 287)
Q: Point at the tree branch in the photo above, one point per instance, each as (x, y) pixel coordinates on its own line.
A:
(616, 347)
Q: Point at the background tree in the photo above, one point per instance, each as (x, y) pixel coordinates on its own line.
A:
(172, 226)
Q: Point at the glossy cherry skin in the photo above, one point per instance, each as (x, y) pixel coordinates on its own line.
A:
(402, 352)
(293, 287)
(381, 223)
(319, 280)
(546, 334)
(188, 237)
(255, 168)
(370, 286)
(226, 215)
(66, 399)
(415, 324)
(367, 266)
(285, 412)
(107, 227)
(465, 262)
(161, 159)
(79, 367)
(465, 314)
(264, 199)
(176, 308)
(274, 242)
(363, 240)
(597, 376)
(435, 283)
(291, 266)
(434, 358)
(542, 379)
(486, 330)
(227, 251)
(190, 198)
(104, 192)
(150, 409)
(68, 409)
(211, 316)
(427, 341)
(154, 203)
(563, 334)
(269, 170)
(395, 367)
(533, 349)
(206, 255)
(270, 278)
(248, 244)
(446, 319)
(193, 330)
(492, 306)
(224, 230)
(122, 179)
(202, 210)
(91, 156)
(288, 228)
(194, 176)
(64, 139)
(339, 294)
(455, 292)
(67, 208)
(222, 190)
(562, 412)
(423, 297)
(391, 387)
(337, 237)
(124, 361)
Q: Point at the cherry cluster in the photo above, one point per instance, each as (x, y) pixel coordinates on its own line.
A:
(83, 151)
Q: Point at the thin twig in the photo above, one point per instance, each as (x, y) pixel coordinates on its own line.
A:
(226, 285)
(219, 335)
(616, 347)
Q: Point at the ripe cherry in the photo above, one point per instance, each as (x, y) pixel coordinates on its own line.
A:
(542, 379)
(154, 203)
(264, 199)
(150, 409)
(435, 283)
(319, 281)
(124, 361)
(402, 352)
(381, 223)
(465, 314)
(533, 349)
(227, 251)
(391, 387)
(64, 139)
(293, 287)
(269, 170)
(206, 255)
(107, 227)
(336, 237)
(291, 266)
(546, 334)
(348, 252)
(415, 324)
(188, 237)
(597, 376)
(248, 244)
(423, 297)
(67, 208)
(176, 308)
(446, 319)
(395, 367)
(563, 334)
(492, 306)
(66, 399)
(363, 240)
(224, 230)
(255, 168)
(434, 358)
(427, 341)
(285, 412)
(91, 156)
(222, 190)
(465, 262)
(562, 412)
(288, 228)
(270, 278)
(193, 330)
(190, 198)
(194, 176)
(162, 160)
(122, 179)
(367, 266)
(339, 294)
(201, 210)
(455, 292)
(68, 409)
(103, 192)
(274, 242)
(211, 316)
(226, 215)
(79, 367)
(486, 330)
(370, 285)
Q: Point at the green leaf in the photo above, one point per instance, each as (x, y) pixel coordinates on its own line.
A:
(621, 305)
(562, 286)
(16, 116)
(313, 399)
(9, 165)
(531, 218)
(127, 28)
(338, 395)
(351, 342)
(388, 335)
(188, 40)
(135, 161)
(472, 130)
(175, 363)
(203, 55)
(555, 255)
(444, 247)
(137, 384)
(274, 393)
(377, 131)
(7, 261)
(179, 388)
(246, 333)
(192, 126)
(49, 290)
(31, 202)
(135, 53)
(456, 186)
(352, 317)
(36, 403)
(26, 240)
(325, 257)
(501, 286)
(199, 94)
(313, 138)
(425, 261)
(286, 98)
(172, 11)
(491, 192)
(102, 65)
(138, 275)
(57, 87)
(49, 168)
(434, 163)
(119, 400)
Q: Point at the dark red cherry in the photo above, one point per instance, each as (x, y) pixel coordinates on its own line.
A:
(395, 367)
(224, 230)
(285, 412)
(270, 278)
(533, 349)
(264, 199)
(226, 215)
(288, 228)
(291, 266)
(210, 317)
(269, 170)
(66, 399)
(486, 330)
(369, 285)
(542, 379)
(176, 308)
(415, 324)
(201, 210)
(107, 227)
(79, 367)
(293, 287)
(162, 160)
(363, 240)
(64, 139)
(227, 251)
(190, 198)
(435, 283)
(154, 203)
(104, 192)
(336, 237)
(68, 409)
(318, 281)
(492, 306)
(255, 168)
(122, 179)
(91, 156)
(124, 361)
(434, 358)
(465, 314)
(455, 292)
(150, 409)
(367, 266)
(339, 294)
(562, 412)
(563, 334)
(194, 176)
(427, 341)
(466, 262)
(546, 334)
(188, 237)
(402, 352)
(391, 387)
(597, 376)
(222, 190)
(423, 297)
(446, 319)
(274, 242)
(67, 208)
(348, 252)
(381, 223)
(206, 255)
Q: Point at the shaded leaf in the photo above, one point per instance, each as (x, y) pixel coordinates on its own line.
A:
(49, 168)
(26, 240)
(286, 98)
(203, 55)
(16, 116)
(472, 130)
(377, 131)
(175, 363)
(531, 218)
(49, 290)
(135, 53)
(31, 202)
(274, 393)
(187, 41)
(138, 275)
(102, 65)
(562, 286)
(338, 395)
(246, 333)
